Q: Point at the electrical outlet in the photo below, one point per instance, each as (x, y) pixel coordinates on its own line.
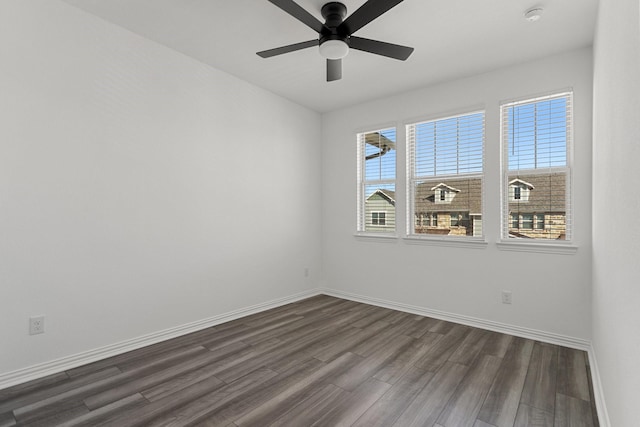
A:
(506, 297)
(306, 272)
(36, 325)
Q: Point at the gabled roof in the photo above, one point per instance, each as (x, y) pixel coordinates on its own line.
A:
(519, 181)
(386, 194)
(443, 185)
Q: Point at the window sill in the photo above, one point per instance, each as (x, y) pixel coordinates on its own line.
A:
(539, 247)
(376, 237)
(461, 242)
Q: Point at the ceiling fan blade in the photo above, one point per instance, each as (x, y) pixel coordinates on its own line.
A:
(295, 10)
(390, 50)
(286, 49)
(365, 14)
(334, 69)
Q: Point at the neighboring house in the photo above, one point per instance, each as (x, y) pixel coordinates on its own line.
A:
(451, 207)
(380, 211)
(537, 206)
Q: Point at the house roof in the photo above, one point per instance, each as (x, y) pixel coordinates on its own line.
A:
(448, 187)
(469, 197)
(548, 193)
(520, 181)
(387, 194)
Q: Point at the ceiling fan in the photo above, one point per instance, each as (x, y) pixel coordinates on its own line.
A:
(335, 35)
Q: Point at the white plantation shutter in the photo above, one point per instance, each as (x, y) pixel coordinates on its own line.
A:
(445, 160)
(377, 181)
(536, 141)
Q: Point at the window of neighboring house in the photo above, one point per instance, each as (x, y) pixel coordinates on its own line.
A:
(536, 141)
(378, 218)
(376, 181)
(446, 152)
(516, 192)
(514, 221)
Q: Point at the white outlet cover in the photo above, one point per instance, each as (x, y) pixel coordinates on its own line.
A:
(36, 325)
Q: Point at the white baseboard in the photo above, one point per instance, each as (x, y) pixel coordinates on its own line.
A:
(603, 415)
(73, 361)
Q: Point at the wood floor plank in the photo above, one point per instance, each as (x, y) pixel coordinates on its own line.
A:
(14, 392)
(572, 374)
(367, 367)
(278, 405)
(540, 384)
(397, 367)
(501, 405)
(101, 414)
(443, 349)
(7, 420)
(200, 410)
(528, 416)
(255, 397)
(336, 348)
(56, 418)
(66, 396)
(144, 415)
(572, 412)
(464, 406)
(386, 410)
(470, 347)
(497, 344)
(347, 411)
(139, 384)
(425, 409)
(313, 408)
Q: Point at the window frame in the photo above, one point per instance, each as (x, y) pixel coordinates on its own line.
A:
(544, 245)
(411, 180)
(381, 215)
(363, 183)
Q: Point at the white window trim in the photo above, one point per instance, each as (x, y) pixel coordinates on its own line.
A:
(462, 241)
(360, 198)
(567, 246)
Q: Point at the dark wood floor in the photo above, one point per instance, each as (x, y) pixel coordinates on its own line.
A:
(322, 361)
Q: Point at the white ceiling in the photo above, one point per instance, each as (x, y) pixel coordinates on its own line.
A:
(452, 39)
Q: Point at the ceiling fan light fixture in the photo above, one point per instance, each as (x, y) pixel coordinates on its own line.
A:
(334, 49)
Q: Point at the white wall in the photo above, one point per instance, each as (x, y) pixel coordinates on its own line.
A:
(139, 189)
(551, 293)
(616, 236)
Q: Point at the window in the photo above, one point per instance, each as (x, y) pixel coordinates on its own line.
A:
(515, 221)
(536, 141)
(377, 181)
(378, 218)
(445, 170)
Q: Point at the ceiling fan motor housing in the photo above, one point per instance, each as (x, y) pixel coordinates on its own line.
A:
(333, 13)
